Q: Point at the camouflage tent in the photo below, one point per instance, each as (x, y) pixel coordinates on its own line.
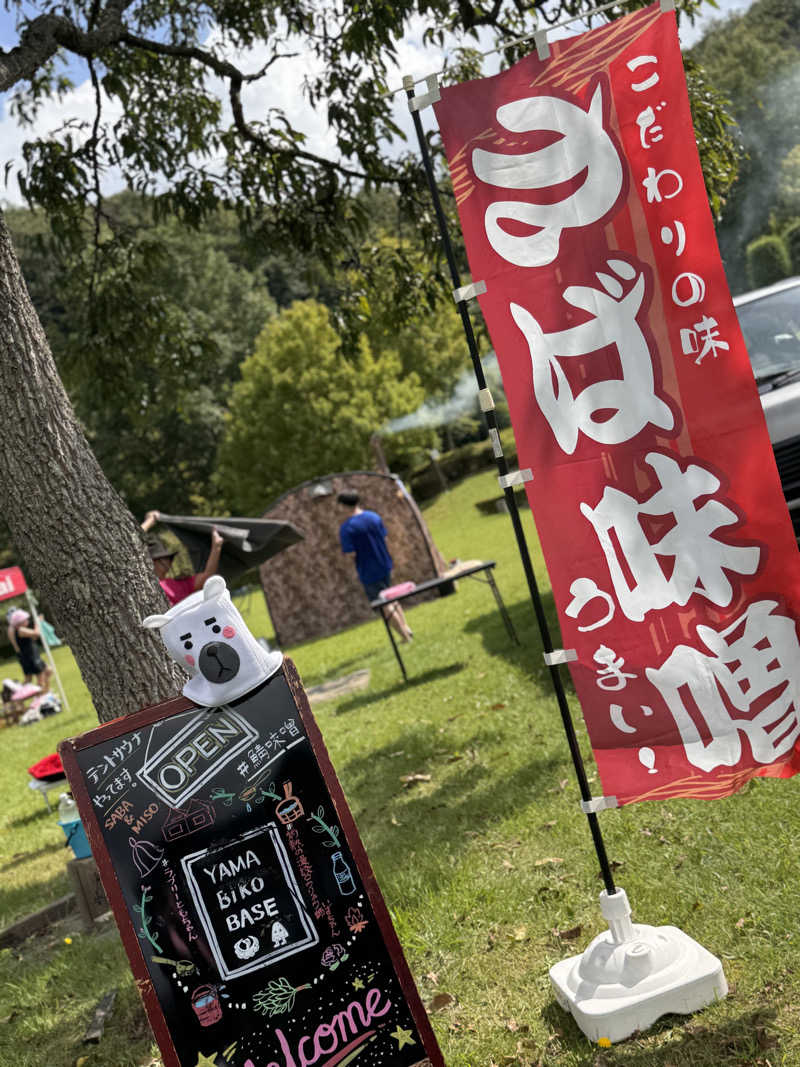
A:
(311, 588)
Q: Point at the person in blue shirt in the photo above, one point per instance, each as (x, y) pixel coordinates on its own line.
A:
(365, 535)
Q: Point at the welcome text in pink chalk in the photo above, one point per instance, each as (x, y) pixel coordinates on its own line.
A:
(346, 1028)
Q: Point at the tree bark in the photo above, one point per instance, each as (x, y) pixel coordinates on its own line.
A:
(79, 547)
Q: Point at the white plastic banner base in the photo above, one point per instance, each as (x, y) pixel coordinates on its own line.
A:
(633, 974)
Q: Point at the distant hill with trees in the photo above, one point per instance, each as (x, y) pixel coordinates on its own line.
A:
(152, 331)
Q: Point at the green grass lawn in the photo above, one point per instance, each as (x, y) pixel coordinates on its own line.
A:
(487, 867)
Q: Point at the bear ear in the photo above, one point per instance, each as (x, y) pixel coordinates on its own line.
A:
(154, 622)
(214, 587)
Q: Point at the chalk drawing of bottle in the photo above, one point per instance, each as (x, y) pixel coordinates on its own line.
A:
(290, 807)
(343, 875)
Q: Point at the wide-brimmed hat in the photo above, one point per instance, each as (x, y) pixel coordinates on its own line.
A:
(158, 550)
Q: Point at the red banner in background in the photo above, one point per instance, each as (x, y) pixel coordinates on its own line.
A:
(671, 555)
(12, 582)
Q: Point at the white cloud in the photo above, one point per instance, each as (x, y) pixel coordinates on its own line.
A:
(281, 88)
(77, 107)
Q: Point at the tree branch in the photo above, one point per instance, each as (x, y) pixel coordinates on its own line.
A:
(236, 79)
(43, 36)
(98, 196)
(471, 19)
(222, 67)
(248, 134)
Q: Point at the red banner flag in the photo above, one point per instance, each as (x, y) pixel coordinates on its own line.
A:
(672, 559)
(12, 582)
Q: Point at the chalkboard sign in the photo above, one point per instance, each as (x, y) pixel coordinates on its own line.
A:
(250, 914)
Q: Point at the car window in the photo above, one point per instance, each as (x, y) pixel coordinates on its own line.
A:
(771, 328)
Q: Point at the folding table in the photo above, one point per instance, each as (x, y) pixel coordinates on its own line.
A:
(445, 585)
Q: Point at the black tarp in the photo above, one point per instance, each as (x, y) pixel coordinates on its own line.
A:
(248, 542)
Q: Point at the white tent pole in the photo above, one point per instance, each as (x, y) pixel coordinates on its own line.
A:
(48, 653)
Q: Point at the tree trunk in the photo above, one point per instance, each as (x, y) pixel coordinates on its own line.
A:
(79, 547)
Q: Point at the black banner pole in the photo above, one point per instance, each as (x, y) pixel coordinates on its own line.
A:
(511, 503)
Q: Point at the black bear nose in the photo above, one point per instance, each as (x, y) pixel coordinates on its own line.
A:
(218, 662)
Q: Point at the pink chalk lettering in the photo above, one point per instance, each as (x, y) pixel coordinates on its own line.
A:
(373, 997)
(345, 1030)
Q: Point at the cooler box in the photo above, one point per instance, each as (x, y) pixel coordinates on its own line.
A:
(76, 838)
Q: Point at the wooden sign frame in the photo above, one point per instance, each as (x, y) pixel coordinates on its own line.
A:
(71, 751)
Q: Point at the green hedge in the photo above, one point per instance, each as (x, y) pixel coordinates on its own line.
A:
(791, 237)
(767, 260)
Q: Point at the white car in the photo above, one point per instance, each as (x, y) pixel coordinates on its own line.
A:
(770, 321)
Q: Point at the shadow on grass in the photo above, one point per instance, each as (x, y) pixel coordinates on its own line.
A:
(15, 901)
(25, 857)
(745, 1039)
(434, 675)
(32, 816)
(464, 797)
(45, 1020)
(341, 668)
(344, 665)
(528, 652)
(459, 802)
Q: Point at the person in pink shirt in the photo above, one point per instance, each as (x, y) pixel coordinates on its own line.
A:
(177, 589)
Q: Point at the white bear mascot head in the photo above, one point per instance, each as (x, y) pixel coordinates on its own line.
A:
(207, 637)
